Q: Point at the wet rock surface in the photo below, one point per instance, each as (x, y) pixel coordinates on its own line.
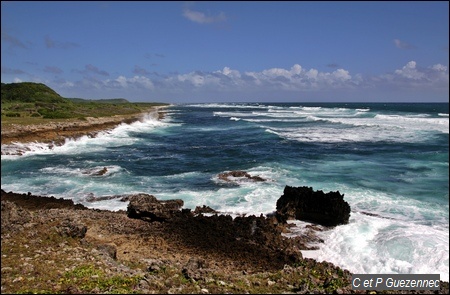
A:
(303, 203)
(238, 174)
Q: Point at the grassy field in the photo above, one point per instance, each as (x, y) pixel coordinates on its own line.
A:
(32, 103)
(24, 113)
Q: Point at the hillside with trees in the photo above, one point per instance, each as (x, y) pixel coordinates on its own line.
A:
(29, 92)
(27, 102)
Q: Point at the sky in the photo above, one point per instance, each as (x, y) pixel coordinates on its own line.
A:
(230, 51)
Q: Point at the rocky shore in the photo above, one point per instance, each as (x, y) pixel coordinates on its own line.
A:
(56, 132)
(51, 245)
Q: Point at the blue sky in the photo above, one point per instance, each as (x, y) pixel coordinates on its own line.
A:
(230, 51)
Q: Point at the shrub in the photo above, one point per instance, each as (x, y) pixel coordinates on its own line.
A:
(12, 114)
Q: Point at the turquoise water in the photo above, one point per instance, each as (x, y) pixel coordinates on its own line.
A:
(387, 159)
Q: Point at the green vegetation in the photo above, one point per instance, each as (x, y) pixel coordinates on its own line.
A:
(27, 101)
(112, 100)
(28, 92)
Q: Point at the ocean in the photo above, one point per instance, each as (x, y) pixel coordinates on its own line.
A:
(390, 160)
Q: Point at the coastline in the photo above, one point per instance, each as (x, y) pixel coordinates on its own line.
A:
(52, 245)
(166, 257)
(56, 131)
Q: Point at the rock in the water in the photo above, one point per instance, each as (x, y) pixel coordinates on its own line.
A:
(147, 207)
(303, 203)
(226, 176)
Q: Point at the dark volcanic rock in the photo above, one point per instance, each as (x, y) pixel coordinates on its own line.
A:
(148, 208)
(255, 240)
(33, 202)
(305, 204)
(239, 174)
(204, 209)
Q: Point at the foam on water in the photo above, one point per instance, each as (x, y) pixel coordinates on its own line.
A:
(370, 244)
(373, 127)
(119, 136)
(396, 235)
(228, 105)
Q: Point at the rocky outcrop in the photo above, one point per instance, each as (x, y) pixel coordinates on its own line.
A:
(228, 176)
(303, 203)
(148, 208)
(204, 209)
(33, 202)
(70, 228)
(13, 216)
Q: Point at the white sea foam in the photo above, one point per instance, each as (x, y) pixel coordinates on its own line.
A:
(100, 171)
(369, 244)
(119, 136)
(415, 122)
(395, 128)
(387, 234)
(330, 135)
(364, 130)
(228, 105)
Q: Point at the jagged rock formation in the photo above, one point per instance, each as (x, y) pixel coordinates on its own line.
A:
(303, 203)
(204, 209)
(147, 207)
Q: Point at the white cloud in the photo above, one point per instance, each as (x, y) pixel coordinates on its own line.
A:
(293, 81)
(409, 71)
(410, 76)
(230, 73)
(439, 68)
(342, 75)
(133, 82)
(312, 74)
(201, 18)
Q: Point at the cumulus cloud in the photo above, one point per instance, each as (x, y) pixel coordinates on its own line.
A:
(133, 82)
(412, 76)
(410, 71)
(50, 43)
(280, 81)
(403, 45)
(201, 18)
